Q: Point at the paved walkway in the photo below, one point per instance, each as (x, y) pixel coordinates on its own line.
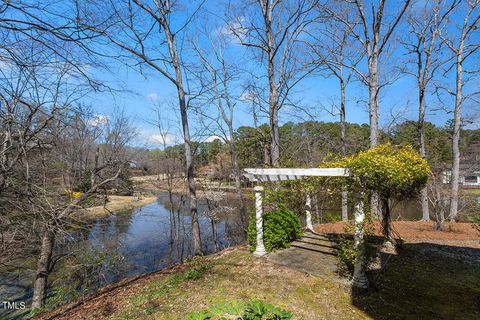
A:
(314, 254)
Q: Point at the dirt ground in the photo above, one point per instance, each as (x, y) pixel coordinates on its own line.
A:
(414, 230)
(117, 203)
(153, 182)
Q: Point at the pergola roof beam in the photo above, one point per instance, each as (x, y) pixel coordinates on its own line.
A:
(285, 174)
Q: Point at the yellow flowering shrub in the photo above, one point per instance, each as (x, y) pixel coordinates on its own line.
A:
(73, 194)
(394, 172)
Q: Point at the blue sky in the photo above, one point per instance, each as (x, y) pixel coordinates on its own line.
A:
(399, 100)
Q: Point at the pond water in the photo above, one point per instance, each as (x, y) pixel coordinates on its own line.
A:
(122, 245)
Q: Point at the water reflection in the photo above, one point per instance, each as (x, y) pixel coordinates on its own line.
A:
(105, 250)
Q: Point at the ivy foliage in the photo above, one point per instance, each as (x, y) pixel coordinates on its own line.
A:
(347, 253)
(250, 310)
(288, 195)
(280, 227)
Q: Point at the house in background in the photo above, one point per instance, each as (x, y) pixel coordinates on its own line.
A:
(469, 168)
(470, 178)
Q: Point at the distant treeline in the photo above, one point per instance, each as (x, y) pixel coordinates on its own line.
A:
(308, 144)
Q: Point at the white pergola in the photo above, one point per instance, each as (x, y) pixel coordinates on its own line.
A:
(260, 175)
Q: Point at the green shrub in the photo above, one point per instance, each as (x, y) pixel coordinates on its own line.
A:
(280, 227)
(346, 257)
(198, 267)
(125, 186)
(290, 195)
(84, 184)
(251, 310)
(347, 254)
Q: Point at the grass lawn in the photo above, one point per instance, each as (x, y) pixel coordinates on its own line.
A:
(414, 286)
(419, 285)
(471, 191)
(237, 275)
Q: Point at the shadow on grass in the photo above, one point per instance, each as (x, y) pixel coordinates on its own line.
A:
(425, 281)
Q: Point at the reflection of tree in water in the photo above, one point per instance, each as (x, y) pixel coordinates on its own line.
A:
(222, 210)
(90, 257)
(220, 228)
(176, 246)
(214, 210)
(234, 232)
(91, 254)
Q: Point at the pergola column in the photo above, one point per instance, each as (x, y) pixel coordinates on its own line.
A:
(308, 212)
(260, 248)
(360, 280)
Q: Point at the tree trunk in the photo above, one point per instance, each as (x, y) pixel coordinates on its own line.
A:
(275, 136)
(45, 259)
(43, 268)
(373, 112)
(386, 224)
(214, 234)
(192, 192)
(238, 186)
(190, 170)
(444, 204)
(267, 12)
(373, 100)
(421, 142)
(267, 156)
(456, 140)
(343, 138)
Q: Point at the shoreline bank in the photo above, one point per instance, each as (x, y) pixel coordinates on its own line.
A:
(114, 205)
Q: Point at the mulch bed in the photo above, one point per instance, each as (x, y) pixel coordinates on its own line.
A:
(414, 230)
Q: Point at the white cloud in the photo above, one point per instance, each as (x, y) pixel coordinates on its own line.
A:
(233, 29)
(213, 138)
(153, 96)
(158, 139)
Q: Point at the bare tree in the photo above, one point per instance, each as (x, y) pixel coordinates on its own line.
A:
(149, 33)
(274, 30)
(252, 95)
(106, 166)
(438, 200)
(461, 41)
(340, 57)
(218, 74)
(35, 88)
(372, 29)
(423, 44)
(43, 60)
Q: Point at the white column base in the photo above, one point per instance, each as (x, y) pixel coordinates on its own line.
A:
(360, 282)
(260, 251)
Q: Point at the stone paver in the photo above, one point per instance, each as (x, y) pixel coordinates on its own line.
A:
(314, 254)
